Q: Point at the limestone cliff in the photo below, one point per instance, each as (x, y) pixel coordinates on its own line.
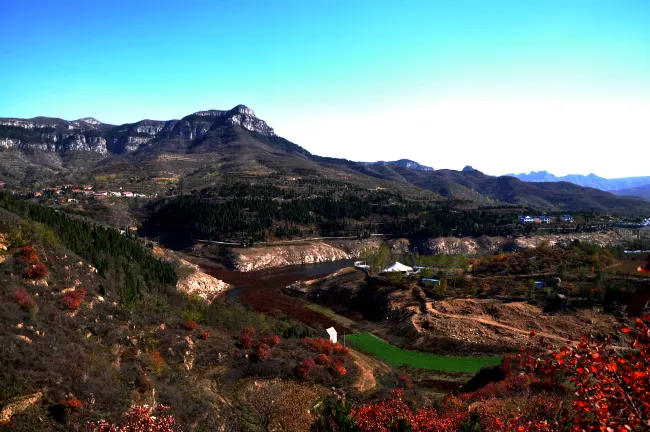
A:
(90, 135)
(258, 258)
(191, 280)
(471, 246)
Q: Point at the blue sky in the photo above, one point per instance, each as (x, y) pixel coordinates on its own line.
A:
(501, 85)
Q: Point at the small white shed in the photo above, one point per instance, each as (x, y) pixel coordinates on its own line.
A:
(332, 333)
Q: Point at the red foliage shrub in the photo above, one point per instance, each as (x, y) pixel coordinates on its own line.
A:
(37, 271)
(305, 367)
(612, 387)
(322, 359)
(190, 325)
(323, 345)
(72, 403)
(262, 352)
(28, 255)
(23, 299)
(340, 349)
(319, 345)
(246, 337)
(246, 341)
(337, 367)
(204, 335)
(386, 416)
(138, 419)
(73, 299)
(271, 340)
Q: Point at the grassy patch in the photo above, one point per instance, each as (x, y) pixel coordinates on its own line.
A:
(397, 356)
(347, 322)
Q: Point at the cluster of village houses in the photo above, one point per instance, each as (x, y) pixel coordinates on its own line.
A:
(565, 218)
(88, 191)
(544, 219)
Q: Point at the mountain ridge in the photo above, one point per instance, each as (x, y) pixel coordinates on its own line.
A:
(213, 146)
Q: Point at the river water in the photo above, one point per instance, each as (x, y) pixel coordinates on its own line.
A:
(272, 278)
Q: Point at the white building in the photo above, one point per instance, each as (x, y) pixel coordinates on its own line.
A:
(397, 267)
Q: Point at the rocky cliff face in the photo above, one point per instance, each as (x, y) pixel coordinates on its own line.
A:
(472, 246)
(258, 258)
(90, 135)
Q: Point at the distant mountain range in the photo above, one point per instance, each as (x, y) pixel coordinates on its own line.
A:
(215, 146)
(591, 180)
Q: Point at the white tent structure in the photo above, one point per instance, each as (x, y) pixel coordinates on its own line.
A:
(330, 331)
(397, 267)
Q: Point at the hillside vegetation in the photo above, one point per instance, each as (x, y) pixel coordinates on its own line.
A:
(240, 211)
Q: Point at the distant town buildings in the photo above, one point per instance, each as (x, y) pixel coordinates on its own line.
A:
(536, 219)
(86, 190)
(543, 219)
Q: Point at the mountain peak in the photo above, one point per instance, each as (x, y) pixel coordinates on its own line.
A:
(243, 109)
(240, 115)
(469, 168)
(90, 120)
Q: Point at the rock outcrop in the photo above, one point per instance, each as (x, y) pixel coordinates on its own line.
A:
(191, 280)
(472, 246)
(18, 405)
(199, 283)
(258, 258)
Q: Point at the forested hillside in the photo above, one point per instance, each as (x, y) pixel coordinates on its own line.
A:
(238, 211)
(129, 268)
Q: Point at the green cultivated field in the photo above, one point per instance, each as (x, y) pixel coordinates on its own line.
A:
(397, 356)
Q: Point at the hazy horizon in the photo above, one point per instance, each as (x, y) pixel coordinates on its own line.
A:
(504, 86)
